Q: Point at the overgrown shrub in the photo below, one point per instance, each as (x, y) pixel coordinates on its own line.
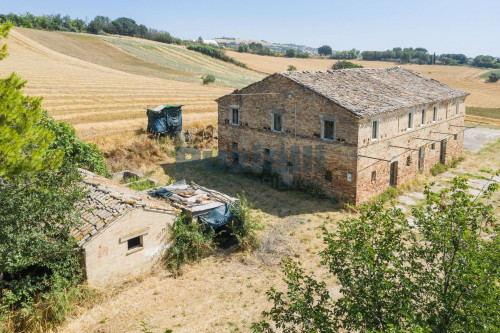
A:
(291, 68)
(243, 226)
(191, 242)
(343, 64)
(209, 78)
(494, 77)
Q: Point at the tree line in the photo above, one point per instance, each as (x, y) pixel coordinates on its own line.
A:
(99, 25)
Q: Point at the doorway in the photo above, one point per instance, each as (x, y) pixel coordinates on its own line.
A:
(421, 159)
(393, 181)
(442, 156)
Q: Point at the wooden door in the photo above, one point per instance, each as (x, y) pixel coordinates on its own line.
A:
(393, 181)
(442, 156)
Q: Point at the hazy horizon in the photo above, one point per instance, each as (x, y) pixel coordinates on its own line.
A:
(439, 26)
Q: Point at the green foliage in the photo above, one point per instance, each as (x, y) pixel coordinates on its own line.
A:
(306, 306)
(4, 33)
(243, 226)
(343, 64)
(190, 243)
(214, 52)
(291, 68)
(486, 62)
(438, 169)
(325, 50)
(494, 77)
(438, 274)
(417, 55)
(209, 78)
(290, 53)
(351, 54)
(255, 48)
(24, 142)
(76, 152)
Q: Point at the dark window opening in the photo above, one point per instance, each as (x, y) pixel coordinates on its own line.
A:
(277, 122)
(328, 175)
(433, 145)
(434, 114)
(134, 243)
(235, 145)
(423, 117)
(267, 152)
(235, 116)
(374, 176)
(408, 161)
(328, 129)
(455, 136)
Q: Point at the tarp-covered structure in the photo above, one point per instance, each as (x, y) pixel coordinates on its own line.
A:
(165, 119)
(210, 207)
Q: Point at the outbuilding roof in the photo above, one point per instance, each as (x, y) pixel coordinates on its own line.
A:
(106, 201)
(368, 92)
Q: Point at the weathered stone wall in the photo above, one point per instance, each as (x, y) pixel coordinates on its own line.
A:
(300, 139)
(106, 259)
(398, 143)
(351, 157)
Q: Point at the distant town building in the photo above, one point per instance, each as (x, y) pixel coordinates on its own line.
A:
(353, 133)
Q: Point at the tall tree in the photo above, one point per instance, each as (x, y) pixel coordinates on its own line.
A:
(439, 273)
(325, 50)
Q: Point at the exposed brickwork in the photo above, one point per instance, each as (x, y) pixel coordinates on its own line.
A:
(352, 156)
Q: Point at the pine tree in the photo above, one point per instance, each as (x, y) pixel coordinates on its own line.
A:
(23, 140)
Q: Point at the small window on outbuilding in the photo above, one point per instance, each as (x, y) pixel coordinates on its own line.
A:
(328, 175)
(408, 161)
(267, 152)
(234, 145)
(374, 176)
(134, 243)
(434, 113)
(457, 107)
(422, 117)
(455, 136)
(433, 145)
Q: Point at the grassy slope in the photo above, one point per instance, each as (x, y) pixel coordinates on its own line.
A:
(487, 74)
(143, 57)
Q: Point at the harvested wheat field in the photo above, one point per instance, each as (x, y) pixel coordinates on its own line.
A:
(108, 94)
(483, 94)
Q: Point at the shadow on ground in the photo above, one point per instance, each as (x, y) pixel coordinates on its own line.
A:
(264, 192)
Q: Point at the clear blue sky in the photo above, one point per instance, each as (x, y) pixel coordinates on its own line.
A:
(441, 26)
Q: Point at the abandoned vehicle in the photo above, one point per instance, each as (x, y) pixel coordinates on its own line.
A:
(124, 232)
(352, 132)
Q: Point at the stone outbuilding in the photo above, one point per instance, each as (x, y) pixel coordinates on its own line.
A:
(353, 132)
(123, 232)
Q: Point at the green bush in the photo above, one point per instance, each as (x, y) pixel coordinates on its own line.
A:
(291, 68)
(438, 169)
(343, 64)
(209, 78)
(494, 77)
(243, 226)
(191, 242)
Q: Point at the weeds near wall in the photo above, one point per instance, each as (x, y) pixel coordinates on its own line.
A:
(440, 168)
(244, 226)
(191, 242)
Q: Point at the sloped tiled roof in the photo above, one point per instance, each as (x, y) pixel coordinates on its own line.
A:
(368, 92)
(106, 201)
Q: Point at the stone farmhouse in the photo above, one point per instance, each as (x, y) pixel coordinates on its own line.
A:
(124, 232)
(353, 132)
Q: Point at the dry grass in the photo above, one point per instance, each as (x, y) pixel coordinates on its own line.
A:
(99, 100)
(465, 78)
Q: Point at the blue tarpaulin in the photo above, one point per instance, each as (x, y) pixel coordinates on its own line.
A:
(165, 119)
(217, 217)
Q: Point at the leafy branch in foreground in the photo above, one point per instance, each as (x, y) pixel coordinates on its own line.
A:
(439, 273)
